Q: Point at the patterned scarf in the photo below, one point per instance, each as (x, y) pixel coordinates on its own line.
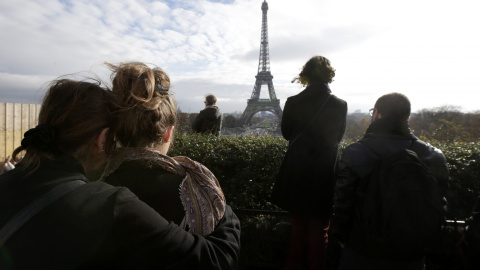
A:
(200, 192)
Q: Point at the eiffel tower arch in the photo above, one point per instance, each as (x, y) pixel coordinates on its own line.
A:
(264, 77)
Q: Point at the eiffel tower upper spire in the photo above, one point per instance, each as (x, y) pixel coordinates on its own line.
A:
(264, 59)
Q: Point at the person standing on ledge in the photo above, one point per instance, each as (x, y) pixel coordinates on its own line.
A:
(209, 120)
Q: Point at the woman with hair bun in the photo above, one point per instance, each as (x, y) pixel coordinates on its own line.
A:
(52, 218)
(180, 189)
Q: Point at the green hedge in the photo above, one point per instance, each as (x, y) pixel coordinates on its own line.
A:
(464, 187)
(246, 168)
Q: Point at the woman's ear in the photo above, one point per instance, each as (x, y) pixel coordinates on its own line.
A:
(168, 134)
(100, 142)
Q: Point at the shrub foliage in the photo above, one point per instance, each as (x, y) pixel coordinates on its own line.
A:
(246, 168)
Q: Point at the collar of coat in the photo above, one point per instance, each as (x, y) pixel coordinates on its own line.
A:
(389, 127)
(320, 86)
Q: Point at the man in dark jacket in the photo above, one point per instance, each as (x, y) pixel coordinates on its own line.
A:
(388, 133)
(209, 120)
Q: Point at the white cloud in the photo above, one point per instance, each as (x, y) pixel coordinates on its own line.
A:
(425, 49)
(23, 88)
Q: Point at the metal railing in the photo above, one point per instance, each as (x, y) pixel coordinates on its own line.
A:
(265, 238)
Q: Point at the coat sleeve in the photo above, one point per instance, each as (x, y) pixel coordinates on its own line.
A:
(344, 121)
(440, 169)
(344, 201)
(356, 165)
(166, 246)
(437, 162)
(197, 123)
(286, 124)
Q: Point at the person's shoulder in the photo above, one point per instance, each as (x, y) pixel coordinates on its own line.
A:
(355, 149)
(339, 100)
(425, 150)
(187, 162)
(102, 187)
(210, 110)
(429, 148)
(299, 96)
(339, 105)
(290, 100)
(358, 154)
(99, 191)
(304, 96)
(144, 168)
(217, 111)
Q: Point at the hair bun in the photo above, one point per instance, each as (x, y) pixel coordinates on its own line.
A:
(42, 137)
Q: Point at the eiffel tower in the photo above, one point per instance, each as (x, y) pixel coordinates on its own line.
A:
(255, 104)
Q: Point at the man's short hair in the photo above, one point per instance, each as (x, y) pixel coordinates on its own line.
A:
(393, 105)
(210, 99)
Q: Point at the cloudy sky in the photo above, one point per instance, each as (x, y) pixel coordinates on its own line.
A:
(426, 49)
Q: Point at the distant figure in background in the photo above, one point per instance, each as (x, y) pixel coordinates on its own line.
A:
(314, 123)
(209, 120)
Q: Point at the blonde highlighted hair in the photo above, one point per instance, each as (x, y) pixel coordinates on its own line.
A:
(145, 107)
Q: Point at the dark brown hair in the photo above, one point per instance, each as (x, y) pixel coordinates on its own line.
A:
(145, 107)
(394, 105)
(317, 70)
(211, 99)
(72, 115)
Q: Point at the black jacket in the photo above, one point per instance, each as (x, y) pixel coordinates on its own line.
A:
(93, 226)
(309, 164)
(209, 121)
(358, 162)
(153, 185)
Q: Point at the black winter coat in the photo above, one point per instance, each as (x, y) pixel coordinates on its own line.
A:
(95, 225)
(209, 121)
(153, 185)
(306, 181)
(383, 136)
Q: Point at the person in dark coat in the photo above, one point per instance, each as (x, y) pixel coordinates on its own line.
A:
(388, 133)
(209, 120)
(95, 225)
(314, 123)
(180, 189)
